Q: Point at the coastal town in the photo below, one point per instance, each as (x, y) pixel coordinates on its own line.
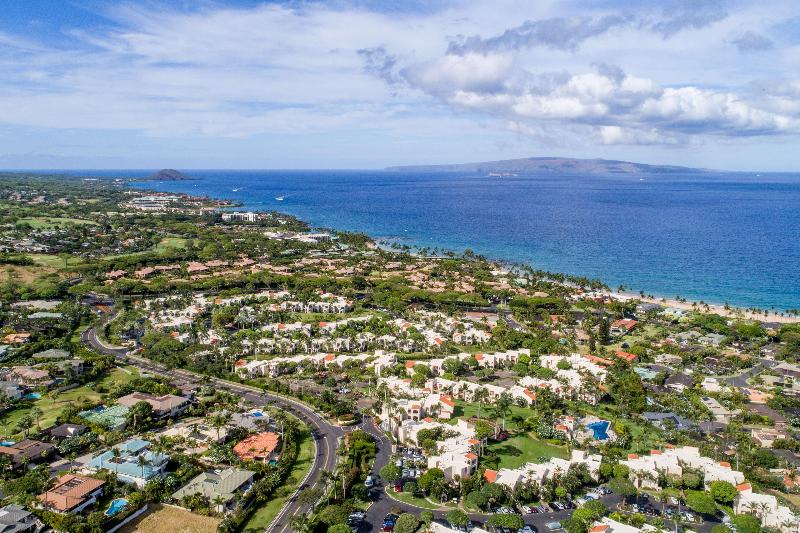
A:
(177, 361)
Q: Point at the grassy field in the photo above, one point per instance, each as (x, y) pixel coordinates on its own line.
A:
(164, 518)
(264, 516)
(170, 243)
(522, 449)
(52, 407)
(53, 222)
(469, 410)
(167, 244)
(54, 261)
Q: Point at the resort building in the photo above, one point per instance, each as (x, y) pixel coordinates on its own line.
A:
(609, 525)
(437, 527)
(72, 494)
(646, 470)
(539, 472)
(455, 453)
(218, 485)
(133, 462)
(766, 508)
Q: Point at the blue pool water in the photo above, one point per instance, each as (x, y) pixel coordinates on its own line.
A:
(116, 506)
(599, 429)
(727, 237)
(7, 443)
(32, 396)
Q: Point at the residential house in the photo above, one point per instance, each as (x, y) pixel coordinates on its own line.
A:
(220, 486)
(622, 326)
(11, 390)
(134, 462)
(27, 451)
(721, 414)
(679, 382)
(258, 447)
(167, 405)
(29, 377)
(16, 519)
(66, 431)
(72, 494)
(663, 420)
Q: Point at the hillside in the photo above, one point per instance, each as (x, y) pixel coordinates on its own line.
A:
(169, 174)
(552, 165)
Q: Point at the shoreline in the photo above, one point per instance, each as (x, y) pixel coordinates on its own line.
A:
(732, 311)
(692, 305)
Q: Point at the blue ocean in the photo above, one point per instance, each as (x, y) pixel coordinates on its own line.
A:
(719, 238)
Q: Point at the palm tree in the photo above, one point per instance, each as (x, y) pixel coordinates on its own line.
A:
(116, 454)
(142, 462)
(478, 396)
(218, 502)
(300, 523)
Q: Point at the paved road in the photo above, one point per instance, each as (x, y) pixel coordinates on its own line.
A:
(326, 436)
(740, 380)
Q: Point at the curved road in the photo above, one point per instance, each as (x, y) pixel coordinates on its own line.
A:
(326, 436)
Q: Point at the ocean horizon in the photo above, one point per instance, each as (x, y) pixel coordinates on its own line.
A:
(714, 237)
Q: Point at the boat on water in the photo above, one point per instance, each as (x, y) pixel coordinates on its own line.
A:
(280, 198)
(237, 189)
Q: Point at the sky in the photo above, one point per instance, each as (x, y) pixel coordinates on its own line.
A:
(368, 84)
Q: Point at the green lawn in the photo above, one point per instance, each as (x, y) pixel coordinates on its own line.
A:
(170, 243)
(167, 244)
(54, 261)
(264, 516)
(410, 499)
(469, 410)
(53, 222)
(517, 451)
(52, 407)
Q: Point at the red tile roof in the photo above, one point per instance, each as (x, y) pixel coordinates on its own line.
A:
(490, 475)
(258, 446)
(69, 492)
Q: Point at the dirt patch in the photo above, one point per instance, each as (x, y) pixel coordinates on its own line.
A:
(23, 274)
(164, 518)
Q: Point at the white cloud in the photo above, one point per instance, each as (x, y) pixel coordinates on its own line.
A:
(238, 73)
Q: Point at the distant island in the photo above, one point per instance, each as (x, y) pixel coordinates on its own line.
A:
(169, 174)
(552, 165)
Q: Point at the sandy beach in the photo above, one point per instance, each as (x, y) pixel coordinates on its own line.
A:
(733, 312)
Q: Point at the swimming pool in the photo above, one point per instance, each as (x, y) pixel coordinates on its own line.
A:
(32, 396)
(7, 443)
(599, 429)
(116, 506)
